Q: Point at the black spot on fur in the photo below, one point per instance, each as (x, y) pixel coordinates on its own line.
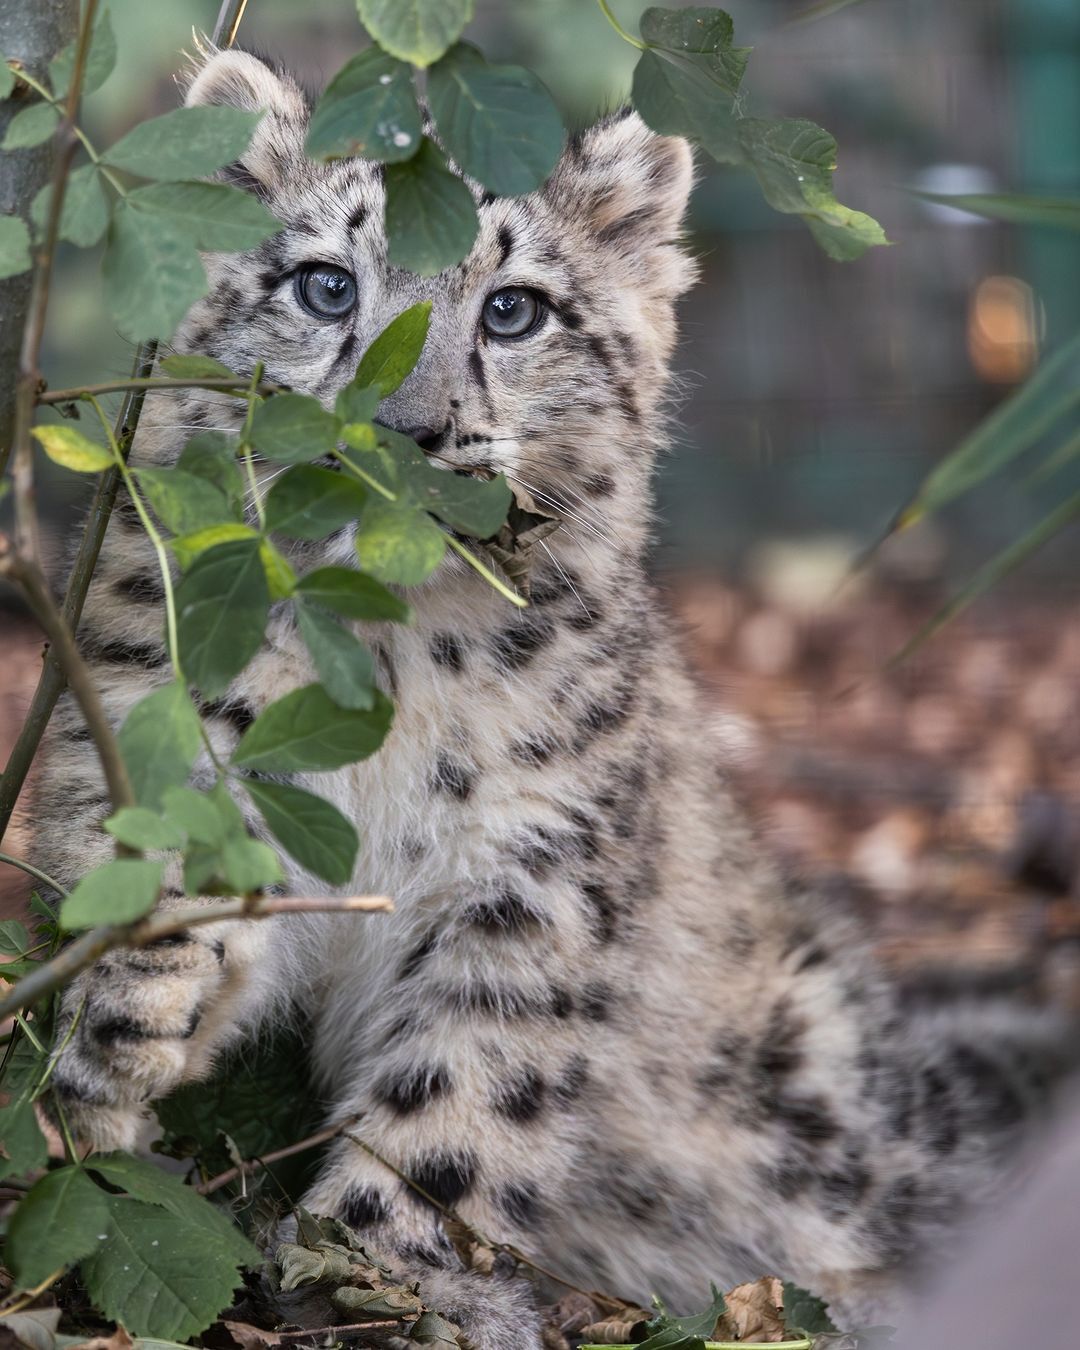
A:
(238, 176)
(506, 244)
(358, 217)
(780, 1053)
(446, 651)
(519, 642)
(599, 485)
(120, 653)
(143, 586)
(520, 1100)
(451, 777)
(417, 957)
(603, 911)
(507, 912)
(807, 1118)
(596, 1003)
(571, 1083)
(446, 1177)
(415, 1089)
(843, 1189)
(364, 1208)
(561, 1003)
(520, 1202)
(236, 712)
(531, 751)
(476, 368)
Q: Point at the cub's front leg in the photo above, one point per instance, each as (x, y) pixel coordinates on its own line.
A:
(142, 1021)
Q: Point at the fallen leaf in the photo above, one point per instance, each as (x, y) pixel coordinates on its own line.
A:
(251, 1338)
(753, 1312)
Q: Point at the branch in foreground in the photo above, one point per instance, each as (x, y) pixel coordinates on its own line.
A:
(156, 384)
(29, 577)
(51, 684)
(243, 1169)
(85, 950)
(29, 377)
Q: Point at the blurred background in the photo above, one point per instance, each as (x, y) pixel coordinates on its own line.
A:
(939, 797)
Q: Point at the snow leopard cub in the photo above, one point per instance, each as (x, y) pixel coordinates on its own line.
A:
(599, 1023)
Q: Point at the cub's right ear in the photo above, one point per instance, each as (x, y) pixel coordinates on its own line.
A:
(240, 80)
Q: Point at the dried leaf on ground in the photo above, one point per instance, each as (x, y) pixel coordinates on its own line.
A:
(753, 1312)
(251, 1338)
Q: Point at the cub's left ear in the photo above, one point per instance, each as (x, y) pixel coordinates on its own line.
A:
(628, 188)
(241, 80)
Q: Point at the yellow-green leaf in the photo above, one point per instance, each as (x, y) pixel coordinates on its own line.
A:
(73, 450)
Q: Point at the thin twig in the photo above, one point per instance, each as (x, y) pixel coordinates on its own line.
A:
(254, 1164)
(92, 945)
(28, 575)
(33, 871)
(156, 384)
(29, 377)
(273, 1337)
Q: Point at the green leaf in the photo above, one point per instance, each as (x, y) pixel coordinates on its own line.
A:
(212, 455)
(793, 160)
(279, 572)
(1046, 400)
(994, 571)
(189, 547)
(158, 1274)
(181, 501)
(151, 1184)
(356, 403)
(310, 829)
(415, 30)
(691, 77)
(497, 122)
(14, 939)
(369, 110)
(30, 126)
(684, 1333)
(72, 450)
(222, 604)
(293, 428)
(431, 218)
(195, 366)
(805, 1312)
(60, 1220)
(396, 350)
(343, 662)
(205, 817)
(152, 273)
(258, 1096)
(348, 592)
(138, 827)
(398, 544)
(307, 730)
(472, 505)
(1059, 212)
(309, 503)
(160, 740)
(185, 143)
(212, 215)
(14, 246)
(21, 1137)
(242, 867)
(84, 215)
(100, 60)
(115, 892)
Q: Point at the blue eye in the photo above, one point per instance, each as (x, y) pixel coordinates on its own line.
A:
(512, 312)
(326, 291)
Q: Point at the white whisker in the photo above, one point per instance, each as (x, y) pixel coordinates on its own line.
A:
(570, 584)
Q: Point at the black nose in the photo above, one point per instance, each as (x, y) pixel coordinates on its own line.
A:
(427, 438)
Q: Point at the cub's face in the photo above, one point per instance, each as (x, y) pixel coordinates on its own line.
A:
(547, 351)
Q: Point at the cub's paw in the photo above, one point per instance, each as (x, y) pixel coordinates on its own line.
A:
(493, 1311)
(126, 1031)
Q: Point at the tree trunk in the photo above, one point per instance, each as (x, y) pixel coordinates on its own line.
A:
(31, 31)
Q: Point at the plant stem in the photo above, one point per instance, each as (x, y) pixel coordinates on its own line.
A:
(246, 447)
(27, 534)
(33, 871)
(626, 37)
(80, 135)
(155, 539)
(159, 383)
(253, 1164)
(52, 681)
(27, 574)
(365, 478)
(488, 575)
(85, 950)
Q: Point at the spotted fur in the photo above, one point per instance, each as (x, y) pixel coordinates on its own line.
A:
(599, 1023)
